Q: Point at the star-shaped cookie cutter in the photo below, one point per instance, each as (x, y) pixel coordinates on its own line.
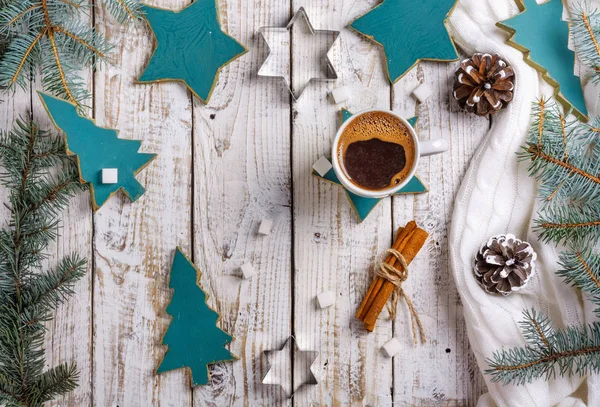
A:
(301, 366)
(331, 74)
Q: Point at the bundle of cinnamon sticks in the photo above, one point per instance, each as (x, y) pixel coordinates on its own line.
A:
(408, 241)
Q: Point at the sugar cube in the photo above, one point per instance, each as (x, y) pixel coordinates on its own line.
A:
(392, 347)
(326, 299)
(322, 166)
(341, 95)
(423, 92)
(110, 175)
(265, 227)
(247, 271)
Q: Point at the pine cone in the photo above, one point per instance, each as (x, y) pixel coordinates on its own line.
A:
(484, 84)
(505, 265)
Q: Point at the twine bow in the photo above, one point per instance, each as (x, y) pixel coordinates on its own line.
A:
(397, 276)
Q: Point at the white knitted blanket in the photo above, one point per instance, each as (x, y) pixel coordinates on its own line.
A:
(497, 196)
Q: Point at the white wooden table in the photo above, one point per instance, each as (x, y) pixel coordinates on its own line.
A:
(221, 169)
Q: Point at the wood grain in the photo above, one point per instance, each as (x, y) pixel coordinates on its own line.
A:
(332, 250)
(223, 168)
(443, 371)
(134, 243)
(69, 336)
(242, 176)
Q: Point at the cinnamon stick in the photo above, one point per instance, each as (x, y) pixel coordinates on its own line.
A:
(376, 285)
(380, 284)
(399, 243)
(417, 241)
(409, 241)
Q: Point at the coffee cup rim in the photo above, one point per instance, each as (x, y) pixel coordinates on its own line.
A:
(366, 193)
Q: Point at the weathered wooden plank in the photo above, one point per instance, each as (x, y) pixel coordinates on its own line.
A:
(242, 176)
(332, 251)
(135, 242)
(443, 371)
(69, 336)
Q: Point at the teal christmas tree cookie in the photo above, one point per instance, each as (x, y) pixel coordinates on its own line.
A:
(364, 206)
(193, 338)
(542, 35)
(409, 31)
(191, 47)
(97, 149)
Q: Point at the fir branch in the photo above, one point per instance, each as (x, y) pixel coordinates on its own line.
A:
(573, 351)
(581, 269)
(585, 29)
(40, 179)
(53, 288)
(124, 10)
(558, 159)
(577, 226)
(49, 36)
(564, 156)
(60, 380)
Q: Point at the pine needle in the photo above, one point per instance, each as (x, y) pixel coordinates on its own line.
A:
(572, 351)
(40, 179)
(51, 37)
(585, 29)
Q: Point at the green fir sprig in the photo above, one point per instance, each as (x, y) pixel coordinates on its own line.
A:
(40, 179)
(548, 352)
(50, 36)
(581, 269)
(585, 30)
(565, 157)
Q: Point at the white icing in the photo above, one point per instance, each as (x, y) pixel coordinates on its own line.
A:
(502, 63)
(476, 99)
(487, 86)
(469, 69)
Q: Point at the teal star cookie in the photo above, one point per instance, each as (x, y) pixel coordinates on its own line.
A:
(191, 47)
(409, 31)
(364, 206)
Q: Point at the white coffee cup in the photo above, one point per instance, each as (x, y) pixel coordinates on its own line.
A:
(422, 149)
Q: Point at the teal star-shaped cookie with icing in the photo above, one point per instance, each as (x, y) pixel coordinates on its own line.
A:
(409, 31)
(191, 47)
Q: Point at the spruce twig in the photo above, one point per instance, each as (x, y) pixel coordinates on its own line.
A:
(564, 156)
(548, 351)
(28, 295)
(49, 35)
(585, 29)
(581, 269)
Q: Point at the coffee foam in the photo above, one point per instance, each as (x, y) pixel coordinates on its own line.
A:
(383, 126)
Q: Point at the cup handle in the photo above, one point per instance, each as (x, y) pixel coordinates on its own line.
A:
(431, 147)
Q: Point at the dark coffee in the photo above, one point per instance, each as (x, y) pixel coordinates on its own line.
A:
(376, 151)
